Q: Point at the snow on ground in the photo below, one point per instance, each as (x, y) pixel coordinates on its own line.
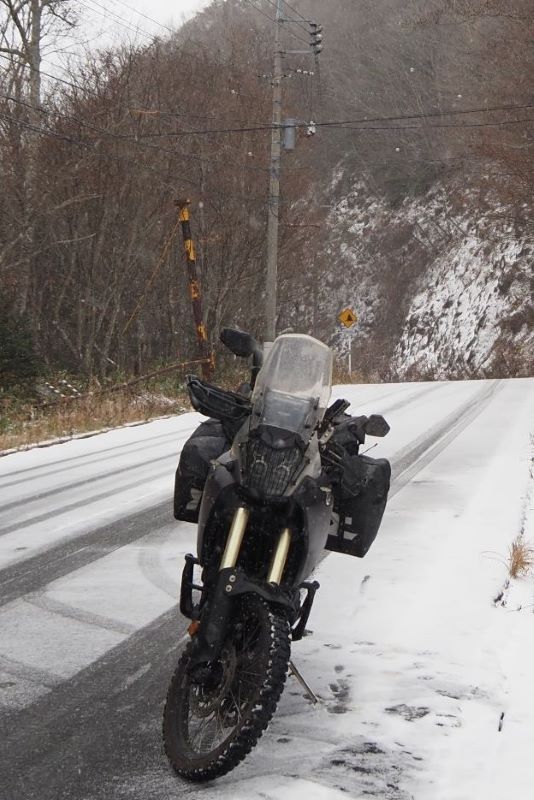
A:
(423, 682)
(51, 494)
(432, 658)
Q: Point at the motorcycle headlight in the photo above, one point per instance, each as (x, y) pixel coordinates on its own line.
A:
(269, 470)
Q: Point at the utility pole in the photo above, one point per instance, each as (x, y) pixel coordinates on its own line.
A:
(274, 186)
(316, 46)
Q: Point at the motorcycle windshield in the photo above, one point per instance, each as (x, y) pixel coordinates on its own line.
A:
(294, 385)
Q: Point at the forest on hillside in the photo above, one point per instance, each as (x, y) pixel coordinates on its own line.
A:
(94, 158)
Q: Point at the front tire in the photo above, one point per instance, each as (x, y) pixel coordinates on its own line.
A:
(208, 730)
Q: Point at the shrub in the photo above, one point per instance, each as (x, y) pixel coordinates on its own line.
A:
(520, 558)
(19, 364)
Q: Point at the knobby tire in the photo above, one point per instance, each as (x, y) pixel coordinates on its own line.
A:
(271, 659)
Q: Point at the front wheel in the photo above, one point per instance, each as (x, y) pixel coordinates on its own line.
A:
(209, 728)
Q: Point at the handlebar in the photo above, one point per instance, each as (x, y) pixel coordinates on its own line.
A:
(218, 403)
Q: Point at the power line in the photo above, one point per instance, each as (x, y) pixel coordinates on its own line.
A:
(299, 38)
(134, 139)
(365, 122)
(360, 125)
(294, 10)
(260, 31)
(141, 14)
(273, 19)
(299, 24)
(324, 124)
(259, 10)
(218, 195)
(48, 75)
(46, 131)
(439, 125)
(428, 115)
(117, 17)
(329, 123)
(95, 94)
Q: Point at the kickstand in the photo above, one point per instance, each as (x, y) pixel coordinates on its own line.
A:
(311, 694)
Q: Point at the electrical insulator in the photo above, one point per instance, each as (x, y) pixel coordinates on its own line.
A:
(316, 34)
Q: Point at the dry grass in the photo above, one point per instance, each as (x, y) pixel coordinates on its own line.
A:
(520, 558)
(23, 423)
(342, 376)
(29, 424)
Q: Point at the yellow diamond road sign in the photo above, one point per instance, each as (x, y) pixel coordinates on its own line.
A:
(347, 317)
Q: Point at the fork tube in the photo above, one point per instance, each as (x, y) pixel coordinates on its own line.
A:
(235, 537)
(279, 558)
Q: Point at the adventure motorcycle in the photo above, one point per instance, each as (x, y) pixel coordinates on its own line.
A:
(280, 479)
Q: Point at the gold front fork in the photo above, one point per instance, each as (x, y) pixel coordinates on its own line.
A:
(235, 538)
(278, 563)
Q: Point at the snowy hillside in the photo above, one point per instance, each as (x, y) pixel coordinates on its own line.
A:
(442, 283)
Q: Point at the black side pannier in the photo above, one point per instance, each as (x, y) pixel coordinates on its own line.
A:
(360, 484)
(207, 443)
(360, 497)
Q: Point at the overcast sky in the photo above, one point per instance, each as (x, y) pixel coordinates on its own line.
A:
(107, 21)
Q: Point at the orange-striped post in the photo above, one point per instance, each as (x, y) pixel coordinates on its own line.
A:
(195, 291)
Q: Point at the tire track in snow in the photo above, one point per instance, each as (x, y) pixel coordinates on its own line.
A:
(58, 746)
(413, 398)
(411, 459)
(41, 600)
(98, 735)
(82, 460)
(102, 476)
(43, 677)
(79, 504)
(32, 574)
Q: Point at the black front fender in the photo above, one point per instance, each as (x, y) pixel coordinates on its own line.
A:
(216, 614)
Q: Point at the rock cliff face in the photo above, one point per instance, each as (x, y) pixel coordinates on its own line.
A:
(442, 283)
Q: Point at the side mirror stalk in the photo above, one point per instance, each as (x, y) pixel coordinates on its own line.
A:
(244, 345)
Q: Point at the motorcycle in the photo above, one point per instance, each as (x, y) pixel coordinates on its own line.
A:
(270, 505)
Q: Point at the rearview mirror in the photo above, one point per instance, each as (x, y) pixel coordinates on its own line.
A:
(376, 425)
(239, 342)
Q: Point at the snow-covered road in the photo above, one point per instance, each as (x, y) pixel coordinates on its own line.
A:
(413, 663)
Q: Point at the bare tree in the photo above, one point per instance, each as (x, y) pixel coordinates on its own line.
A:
(24, 27)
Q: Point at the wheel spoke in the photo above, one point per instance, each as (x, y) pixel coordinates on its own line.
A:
(236, 705)
(251, 636)
(197, 739)
(219, 725)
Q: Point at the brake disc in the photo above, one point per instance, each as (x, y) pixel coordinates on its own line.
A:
(204, 701)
